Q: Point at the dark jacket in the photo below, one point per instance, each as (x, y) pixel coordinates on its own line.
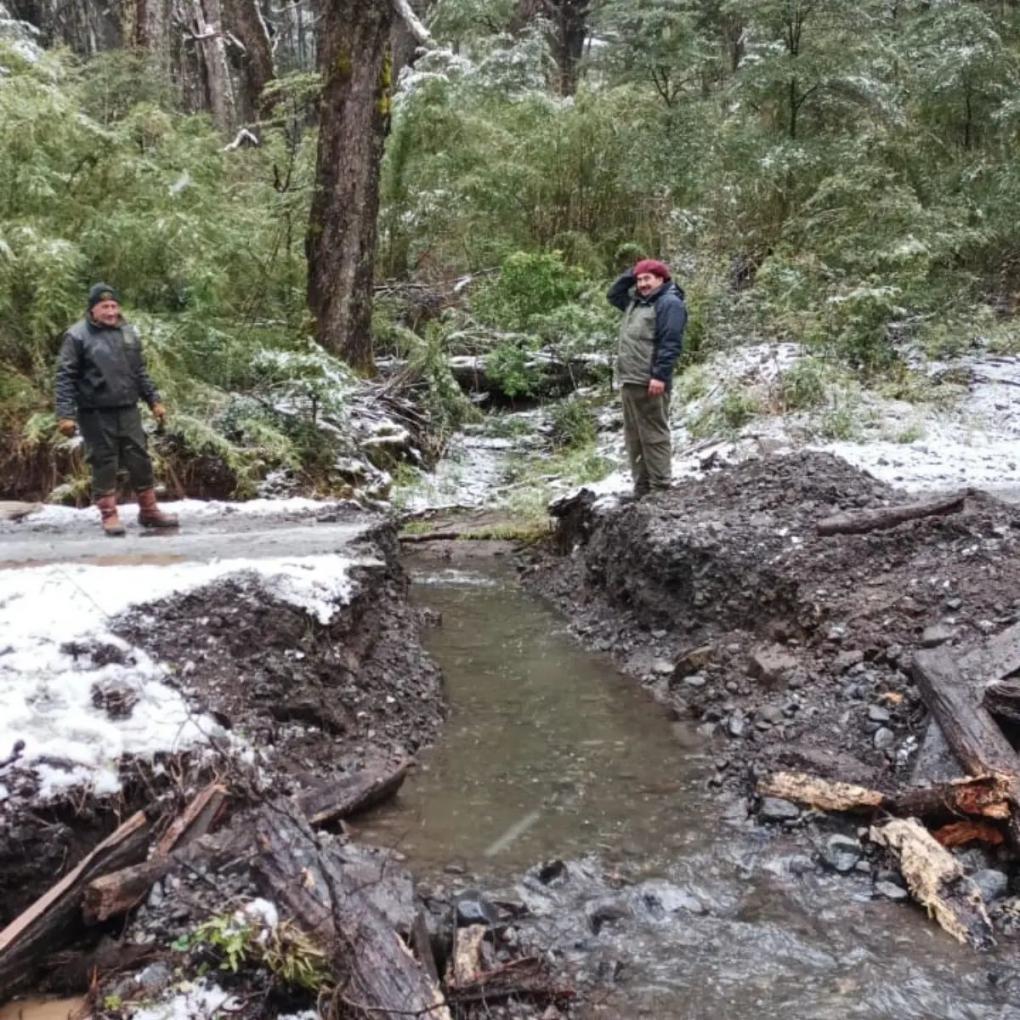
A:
(100, 367)
(651, 331)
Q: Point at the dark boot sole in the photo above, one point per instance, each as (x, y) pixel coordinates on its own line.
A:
(160, 524)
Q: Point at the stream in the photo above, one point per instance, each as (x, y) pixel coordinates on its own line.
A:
(676, 903)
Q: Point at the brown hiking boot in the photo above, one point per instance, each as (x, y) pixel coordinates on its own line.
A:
(107, 504)
(149, 513)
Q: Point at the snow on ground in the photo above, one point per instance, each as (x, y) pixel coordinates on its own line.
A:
(46, 692)
(65, 519)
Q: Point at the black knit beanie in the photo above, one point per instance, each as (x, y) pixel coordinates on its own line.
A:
(101, 292)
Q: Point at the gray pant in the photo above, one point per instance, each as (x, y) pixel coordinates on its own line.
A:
(114, 439)
(646, 432)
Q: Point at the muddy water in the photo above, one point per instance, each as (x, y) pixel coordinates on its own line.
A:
(692, 911)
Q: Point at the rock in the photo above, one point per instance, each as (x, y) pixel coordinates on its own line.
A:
(994, 885)
(876, 713)
(603, 912)
(774, 809)
(841, 853)
(769, 714)
(883, 738)
(694, 660)
(847, 660)
(662, 667)
(552, 871)
(473, 908)
(890, 891)
(695, 680)
(737, 725)
(770, 664)
(936, 634)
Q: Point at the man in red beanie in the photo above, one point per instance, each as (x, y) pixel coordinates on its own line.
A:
(651, 338)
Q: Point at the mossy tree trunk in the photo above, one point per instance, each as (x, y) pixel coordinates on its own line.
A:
(354, 118)
(244, 19)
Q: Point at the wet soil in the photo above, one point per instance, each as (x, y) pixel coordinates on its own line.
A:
(789, 647)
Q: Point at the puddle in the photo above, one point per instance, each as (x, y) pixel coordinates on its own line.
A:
(550, 753)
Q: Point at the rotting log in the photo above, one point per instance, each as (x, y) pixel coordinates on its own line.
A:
(348, 794)
(968, 831)
(467, 962)
(936, 880)
(863, 521)
(381, 978)
(42, 926)
(978, 743)
(194, 821)
(982, 796)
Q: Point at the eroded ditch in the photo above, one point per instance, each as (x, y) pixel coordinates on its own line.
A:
(655, 890)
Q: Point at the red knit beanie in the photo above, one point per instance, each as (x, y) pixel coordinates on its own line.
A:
(660, 269)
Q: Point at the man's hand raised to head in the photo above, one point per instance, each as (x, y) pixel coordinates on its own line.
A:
(656, 387)
(159, 412)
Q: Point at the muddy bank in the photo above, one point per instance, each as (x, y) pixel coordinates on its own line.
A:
(789, 646)
(289, 701)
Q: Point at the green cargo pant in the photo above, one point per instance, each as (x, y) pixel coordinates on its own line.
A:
(114, 439)
(646, 432)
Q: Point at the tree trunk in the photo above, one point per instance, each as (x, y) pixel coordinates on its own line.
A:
(244, 19)
(87, 27)
(207, 24)
(342, 230)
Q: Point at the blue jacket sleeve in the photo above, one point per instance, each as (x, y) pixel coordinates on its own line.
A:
(619, 294)
(670, 322)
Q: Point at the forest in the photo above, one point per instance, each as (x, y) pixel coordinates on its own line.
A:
(288, 194)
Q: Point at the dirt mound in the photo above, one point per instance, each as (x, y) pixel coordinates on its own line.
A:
(722, 594)
(296, 700)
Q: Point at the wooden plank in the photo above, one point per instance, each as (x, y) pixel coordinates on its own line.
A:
(879, 519)
(194, 821)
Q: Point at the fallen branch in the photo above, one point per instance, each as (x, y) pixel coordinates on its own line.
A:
(346, 795)
(936, 880)
(982, 796)
(413, 22)
(887, 517)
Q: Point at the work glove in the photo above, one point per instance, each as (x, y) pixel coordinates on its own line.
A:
(67, 427)
(159, 412)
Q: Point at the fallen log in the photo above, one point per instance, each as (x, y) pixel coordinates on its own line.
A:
(194, 821)
(936, 880)
(348, 794)
(978, 743)
(863, 521)
(982, 796)
(966, 832)
(43, 925)
(467, 962)
(376, 973)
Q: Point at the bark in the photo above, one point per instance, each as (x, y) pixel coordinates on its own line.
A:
(86, 27)
(567, 34)
(887, 517)
(342, 230)
(330, 902)
(50, 921)
(244, 19)
(936, 880)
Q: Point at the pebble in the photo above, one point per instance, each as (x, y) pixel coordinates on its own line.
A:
(884, 738)
(936, 634)
(774, 809)
(695, 680)
(876, 713)
(842, 853)
(737, 726)
(663, 667)
(890, 891)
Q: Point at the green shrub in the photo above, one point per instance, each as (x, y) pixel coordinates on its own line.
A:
(573, 424)
(802, 386)
(529, 284)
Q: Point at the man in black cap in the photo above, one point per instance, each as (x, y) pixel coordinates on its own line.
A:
(101, 376)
